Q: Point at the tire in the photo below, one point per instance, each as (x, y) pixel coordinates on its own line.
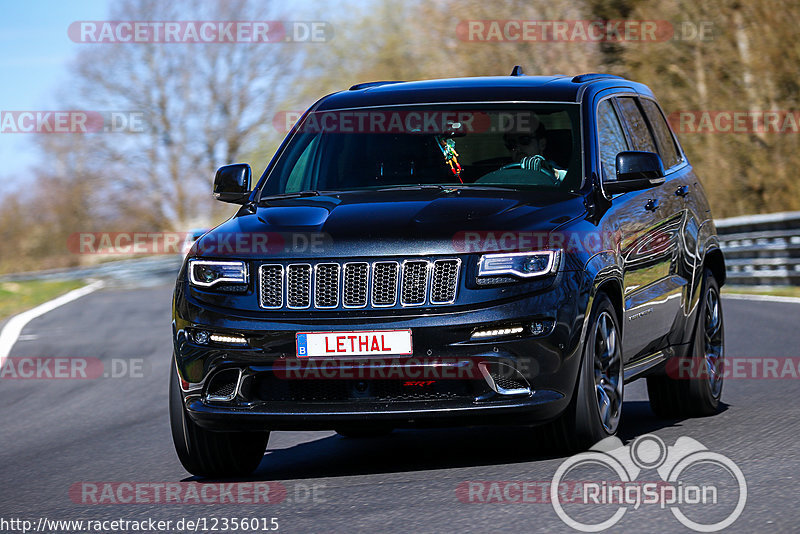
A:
(699, 394)
(365, 432)
(211, 454)
(600, 383)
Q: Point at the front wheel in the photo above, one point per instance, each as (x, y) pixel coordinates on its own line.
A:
(596, 406)
(211, 454)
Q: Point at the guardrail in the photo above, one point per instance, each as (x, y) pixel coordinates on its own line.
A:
(154, 269)
(761, 249)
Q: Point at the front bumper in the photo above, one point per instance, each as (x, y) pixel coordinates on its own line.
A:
(540, 406)
(531, 378)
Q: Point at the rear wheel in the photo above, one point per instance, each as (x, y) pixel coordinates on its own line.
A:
(596, 405)
(211, 454)
(698, 393)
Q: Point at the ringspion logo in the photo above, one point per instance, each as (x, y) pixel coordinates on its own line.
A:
(704, 490)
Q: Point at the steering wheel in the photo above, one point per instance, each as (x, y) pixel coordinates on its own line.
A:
(535, 163)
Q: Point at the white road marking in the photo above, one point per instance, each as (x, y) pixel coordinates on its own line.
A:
(761, 298)
(14, 326)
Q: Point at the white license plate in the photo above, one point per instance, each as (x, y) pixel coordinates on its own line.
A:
(360, 343)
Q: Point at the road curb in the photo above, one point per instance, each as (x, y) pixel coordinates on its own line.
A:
(14, 325)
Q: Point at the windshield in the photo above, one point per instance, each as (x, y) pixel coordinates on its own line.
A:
(535, 146)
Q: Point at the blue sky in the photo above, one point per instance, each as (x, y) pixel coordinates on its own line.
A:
(34, 55)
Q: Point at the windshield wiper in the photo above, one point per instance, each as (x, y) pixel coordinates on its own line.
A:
(490, 186)
(409, 187)
(297, 194)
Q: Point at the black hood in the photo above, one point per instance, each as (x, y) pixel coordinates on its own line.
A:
(394, 222)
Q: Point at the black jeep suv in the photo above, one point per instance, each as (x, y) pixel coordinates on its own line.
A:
(494, 250)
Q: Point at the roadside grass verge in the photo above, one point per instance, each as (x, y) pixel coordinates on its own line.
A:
(773, 291)
(16, 297)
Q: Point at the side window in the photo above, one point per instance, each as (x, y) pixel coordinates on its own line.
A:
(666, 144)
(610, 137)
(640, 135)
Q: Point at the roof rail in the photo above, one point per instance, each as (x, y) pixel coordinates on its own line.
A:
(517, 71)
(367, 85)
(591, 76)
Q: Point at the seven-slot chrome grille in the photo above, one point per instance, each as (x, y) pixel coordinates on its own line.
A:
(358, 284)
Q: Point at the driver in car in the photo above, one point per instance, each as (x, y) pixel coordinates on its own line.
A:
(527, 151)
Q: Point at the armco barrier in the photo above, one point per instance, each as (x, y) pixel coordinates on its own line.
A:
(762, 249)
(759, 250)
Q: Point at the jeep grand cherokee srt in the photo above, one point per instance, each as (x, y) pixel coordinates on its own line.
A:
(493, 250)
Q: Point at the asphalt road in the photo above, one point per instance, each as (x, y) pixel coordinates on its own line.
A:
(55, 434)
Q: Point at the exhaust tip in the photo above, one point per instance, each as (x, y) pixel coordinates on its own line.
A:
(224, 385)
(504, 379)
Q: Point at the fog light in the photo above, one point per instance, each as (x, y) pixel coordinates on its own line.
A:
(539, 328)
(229, 339)
(201, 337)
(495, 332)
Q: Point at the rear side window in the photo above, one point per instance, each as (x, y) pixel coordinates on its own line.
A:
(639, 133)
(664, 139)
(610, 137)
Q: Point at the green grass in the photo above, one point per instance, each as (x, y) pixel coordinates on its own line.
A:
(16, 297)
(774, 291)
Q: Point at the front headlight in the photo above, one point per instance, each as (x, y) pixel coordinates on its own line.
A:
(206, 273)
(519, 264)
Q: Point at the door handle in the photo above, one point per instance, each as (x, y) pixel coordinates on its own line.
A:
(652, 205)
(682, 191)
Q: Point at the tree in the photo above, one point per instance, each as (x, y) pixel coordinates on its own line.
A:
(203, 104)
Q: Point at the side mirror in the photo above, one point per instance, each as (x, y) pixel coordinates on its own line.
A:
(232, 183)
(636, 171)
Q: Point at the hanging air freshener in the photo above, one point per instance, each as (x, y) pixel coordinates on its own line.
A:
(448, 147)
